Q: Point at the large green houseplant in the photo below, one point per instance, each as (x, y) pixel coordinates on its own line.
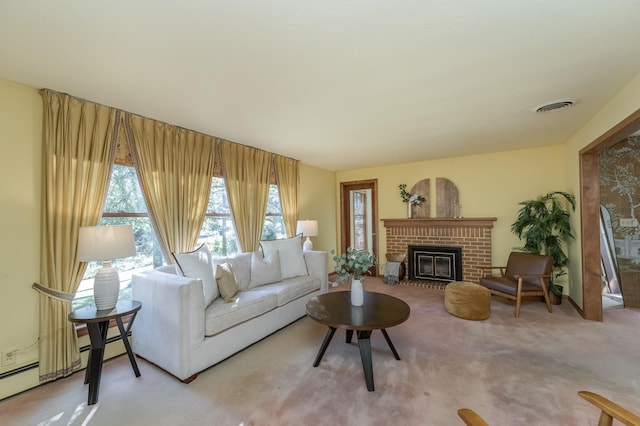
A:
(544, 226)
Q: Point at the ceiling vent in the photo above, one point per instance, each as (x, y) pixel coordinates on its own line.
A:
(554, 106)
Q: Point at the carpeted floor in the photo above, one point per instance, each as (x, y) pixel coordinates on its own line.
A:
(524, 371)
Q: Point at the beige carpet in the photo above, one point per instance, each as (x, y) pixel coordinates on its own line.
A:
(524, 371)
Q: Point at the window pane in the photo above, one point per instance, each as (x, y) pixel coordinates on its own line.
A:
(124, 193)
(219, 235)
(273, 228)
(218, 200)
(217, 230)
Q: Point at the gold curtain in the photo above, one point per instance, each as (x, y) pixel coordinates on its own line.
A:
(287, 178)
(78, 149)
(175, 168)
(246, 175)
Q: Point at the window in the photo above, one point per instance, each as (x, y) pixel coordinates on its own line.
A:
(217, 229)
(124, 206)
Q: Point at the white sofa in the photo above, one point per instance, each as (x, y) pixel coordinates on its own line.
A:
(176, 331)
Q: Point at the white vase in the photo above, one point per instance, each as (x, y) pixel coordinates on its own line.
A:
(357, 293)
(409, 210)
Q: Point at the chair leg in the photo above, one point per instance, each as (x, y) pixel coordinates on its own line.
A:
(518, 297)
(546, 295)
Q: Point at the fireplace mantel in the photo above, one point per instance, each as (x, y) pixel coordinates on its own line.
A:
(462, 222)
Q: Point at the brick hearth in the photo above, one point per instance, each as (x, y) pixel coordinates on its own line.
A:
(472, 235)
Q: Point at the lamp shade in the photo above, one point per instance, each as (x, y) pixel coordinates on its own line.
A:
(105, 242)
(308, 228)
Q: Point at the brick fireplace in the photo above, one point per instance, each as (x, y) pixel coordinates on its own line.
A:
(472, 235)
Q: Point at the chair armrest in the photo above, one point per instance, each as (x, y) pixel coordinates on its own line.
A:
(532, 276)
(610, 410)
(471, 418)
(484, 270)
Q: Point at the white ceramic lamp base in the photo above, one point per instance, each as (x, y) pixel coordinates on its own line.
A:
(106, 287)
(308, 245)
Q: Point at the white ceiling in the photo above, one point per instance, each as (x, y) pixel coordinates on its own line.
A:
(338, 84)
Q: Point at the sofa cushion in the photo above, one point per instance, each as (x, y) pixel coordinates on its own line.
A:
(292, 288)
(220, 316)
(292, 261)
(264, 270)
(226, 282)
(198, 264)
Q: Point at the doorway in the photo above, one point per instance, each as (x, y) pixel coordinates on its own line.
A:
(590, 214)
(359, 217)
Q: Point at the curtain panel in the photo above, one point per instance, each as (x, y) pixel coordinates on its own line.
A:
(78, 149)
(175, 167)
(246, 173)
(288, 182)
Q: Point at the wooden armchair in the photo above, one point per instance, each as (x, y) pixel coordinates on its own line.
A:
(610, 411)
(525, 275)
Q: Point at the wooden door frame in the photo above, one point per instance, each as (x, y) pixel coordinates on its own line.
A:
(590, 213)
(345, 223)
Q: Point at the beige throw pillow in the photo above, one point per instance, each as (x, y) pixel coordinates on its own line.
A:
(226, 282)
(198, 264)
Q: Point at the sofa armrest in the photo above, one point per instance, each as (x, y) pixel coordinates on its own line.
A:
(171, 321)
(317, 266)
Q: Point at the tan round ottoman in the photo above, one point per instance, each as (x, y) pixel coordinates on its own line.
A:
(467, 300)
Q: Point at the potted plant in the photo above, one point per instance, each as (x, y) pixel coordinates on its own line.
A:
(543, 224)
(410, 199)
(354, 264)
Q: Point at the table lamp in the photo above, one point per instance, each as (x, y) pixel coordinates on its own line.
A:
(105, 243)
(308, 228)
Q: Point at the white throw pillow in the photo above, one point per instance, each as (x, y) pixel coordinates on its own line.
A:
(264, 270)
(198, 264)
(292, 261)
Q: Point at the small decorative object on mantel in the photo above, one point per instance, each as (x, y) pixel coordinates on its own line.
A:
(353, 264)
(410, 199)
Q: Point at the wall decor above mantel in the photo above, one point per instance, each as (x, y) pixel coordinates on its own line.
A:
(447, 199)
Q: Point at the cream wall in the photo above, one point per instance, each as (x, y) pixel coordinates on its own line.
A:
(20, 136)
(489, 185)
(316, 201)
(619, 108)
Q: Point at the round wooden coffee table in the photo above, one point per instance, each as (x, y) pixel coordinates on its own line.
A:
(379, 312)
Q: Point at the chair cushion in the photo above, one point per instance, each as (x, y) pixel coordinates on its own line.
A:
(528, 264)
(507, 286)
(467, 300)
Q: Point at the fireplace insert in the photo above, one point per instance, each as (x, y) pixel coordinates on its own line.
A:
(428, 263)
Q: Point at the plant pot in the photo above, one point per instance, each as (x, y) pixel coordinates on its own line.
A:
(555, 298)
